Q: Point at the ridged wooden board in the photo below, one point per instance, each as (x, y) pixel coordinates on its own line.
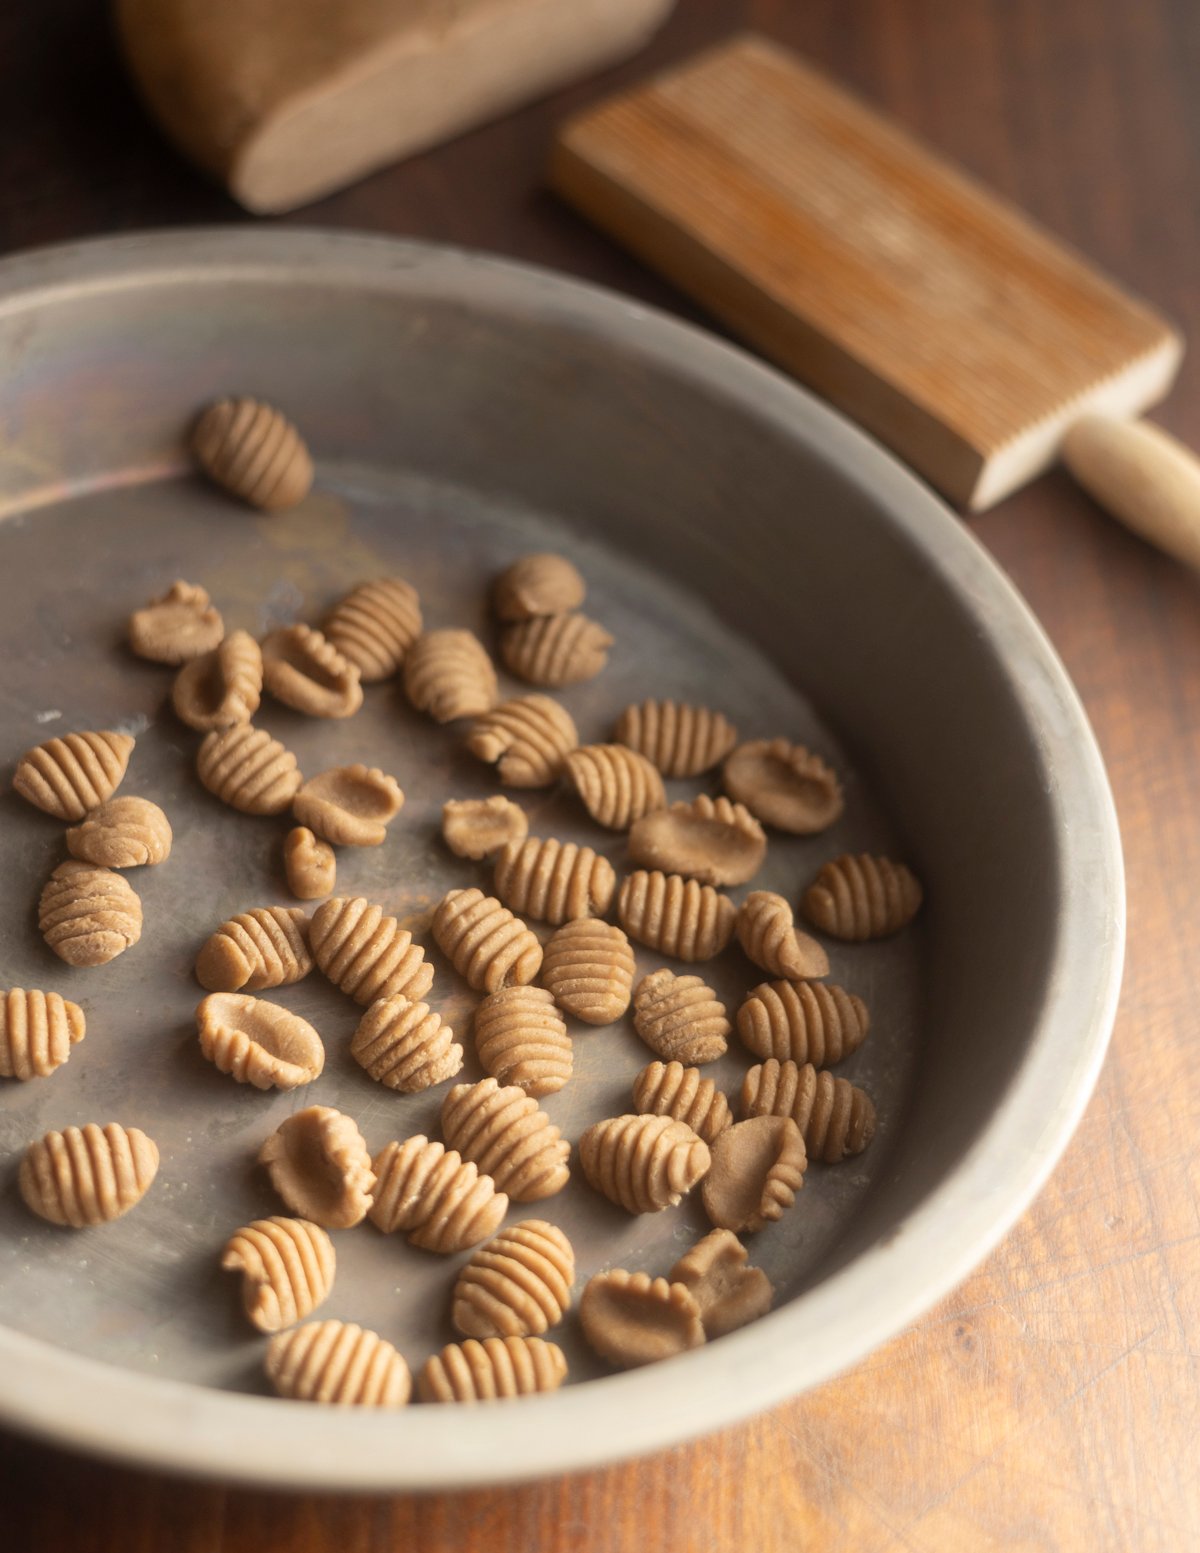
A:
(926, 308)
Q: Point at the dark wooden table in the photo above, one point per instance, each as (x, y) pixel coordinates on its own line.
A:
(1053, 1401)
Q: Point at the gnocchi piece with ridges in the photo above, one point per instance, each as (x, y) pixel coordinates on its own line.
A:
(83, 1176)
(67, 777)
(337, 1363)
(366, 954)
(254, 452)
(521, 1039)
(835, 1117)
(518, 1285)
(804, 1021)
(526, 739)
(405, 1046)
(246, 768)
(862, 897)
(265, 947)
(486, 943)
(89, 915)
(441, 1201)
(503, 1132)
(617, 785)
(554, 881)
(643, 1163)
(222, 688)
(37, 1031)
(680, 1018)
(767, 931)
(670, 1089)
(287, 1268)
(677, 917)
(449, 675)
(681, 740)
(588, 967)
(555, 650)
(497, 1367)
(374, 626)
(122, 833)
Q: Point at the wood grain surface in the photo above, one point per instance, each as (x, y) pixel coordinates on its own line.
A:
(1053, 1401)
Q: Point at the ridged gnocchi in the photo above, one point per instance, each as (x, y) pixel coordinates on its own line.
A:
(617, 785)
(670, 1089)
(405, 1046)
(90, 1175)
(89, 915)
(677, 917)
(374, 626)
(287, 1268)
(265, 947)
(220, 688)
(449, 675)
(521, 1039)
(254, 452)
(37, 1031)
(367, 954)
(643, 1163)
(337, 1363)
(246, 768)
(518, 1285)
(862, 897)
(498, 1367)
(555, 650)
(488, 946)
(589, 968)
(122, 833)
(72, 775)
(806, 1021)
(554, 881)
(681, 740)
(835, 1117)
(680, 1018)
(767, 931)
(442, 1202)
(501, 1130)
(526, 739)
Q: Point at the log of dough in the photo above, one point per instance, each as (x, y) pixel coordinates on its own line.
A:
(287, 100)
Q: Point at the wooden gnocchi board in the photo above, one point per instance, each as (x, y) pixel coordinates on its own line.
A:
(923, 306)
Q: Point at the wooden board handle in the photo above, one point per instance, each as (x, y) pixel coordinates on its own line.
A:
(1142, 476)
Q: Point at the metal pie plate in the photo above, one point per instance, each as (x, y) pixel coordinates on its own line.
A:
(128, 1338)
